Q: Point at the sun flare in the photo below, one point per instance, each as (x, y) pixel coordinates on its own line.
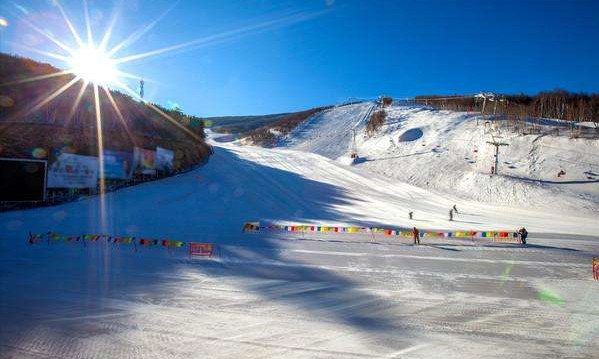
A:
(93, 65)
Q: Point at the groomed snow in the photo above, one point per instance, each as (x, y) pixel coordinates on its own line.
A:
(278, 295)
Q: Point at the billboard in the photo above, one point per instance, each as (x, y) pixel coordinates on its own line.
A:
(164, 159)
(118, 165)
(73, 171)
(22, 180)
(144, 161)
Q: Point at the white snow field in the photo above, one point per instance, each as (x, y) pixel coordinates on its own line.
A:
(281, 295)
(447, 152)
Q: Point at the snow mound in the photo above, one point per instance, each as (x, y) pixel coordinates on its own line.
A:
(345, 160)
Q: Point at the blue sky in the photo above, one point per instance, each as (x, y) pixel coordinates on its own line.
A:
(322, 52)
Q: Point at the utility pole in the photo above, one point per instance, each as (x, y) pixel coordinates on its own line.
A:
(494, 108)
(497, 145)
(484, 103)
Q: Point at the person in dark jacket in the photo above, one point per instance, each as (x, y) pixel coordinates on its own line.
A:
(416, 233)
(411, 214)
(523, 234)
(451, 214)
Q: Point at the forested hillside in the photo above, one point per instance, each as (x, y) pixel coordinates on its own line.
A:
(557, 104)
(29, 127)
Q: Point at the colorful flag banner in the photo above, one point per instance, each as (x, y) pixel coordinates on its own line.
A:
(389, 232)
(146, 242)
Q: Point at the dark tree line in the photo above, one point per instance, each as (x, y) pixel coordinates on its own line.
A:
(387, 101)
(557, 104)
(375, 122)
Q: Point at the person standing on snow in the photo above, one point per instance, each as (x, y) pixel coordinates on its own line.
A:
(455, 209)
(411, 214)
(523, 234)
(451, 214)
(416, 233)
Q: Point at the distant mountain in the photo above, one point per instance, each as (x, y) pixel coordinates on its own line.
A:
(256, 126)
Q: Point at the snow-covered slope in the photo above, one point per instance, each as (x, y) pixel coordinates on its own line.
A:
(447, 152)
(277, 295)
(329, 133)
(250, 183)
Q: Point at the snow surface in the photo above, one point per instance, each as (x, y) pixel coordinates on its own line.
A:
(453, 156)
(299, 296)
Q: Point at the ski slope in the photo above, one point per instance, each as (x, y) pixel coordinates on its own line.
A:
(448, 153)
(278, 295)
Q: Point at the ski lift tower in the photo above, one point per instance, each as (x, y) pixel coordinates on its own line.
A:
(354, 147)
(497, 145)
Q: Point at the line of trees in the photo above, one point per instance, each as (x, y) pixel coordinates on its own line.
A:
(375, 122)
(556, 104)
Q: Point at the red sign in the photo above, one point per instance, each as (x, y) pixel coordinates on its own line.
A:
(201, 249)
(596, 268)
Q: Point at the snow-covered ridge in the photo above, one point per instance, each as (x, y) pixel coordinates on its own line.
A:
(448, 152)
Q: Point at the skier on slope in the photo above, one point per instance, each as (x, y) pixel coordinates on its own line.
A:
(451, 214)
(416, 233)
(523, 234)
(411, 214)
(455, 209)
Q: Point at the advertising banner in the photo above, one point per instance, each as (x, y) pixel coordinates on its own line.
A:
(118, 165)
(164, 159)
(145, 161)
(73, 171)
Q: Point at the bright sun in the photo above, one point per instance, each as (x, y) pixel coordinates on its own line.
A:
(94, 65)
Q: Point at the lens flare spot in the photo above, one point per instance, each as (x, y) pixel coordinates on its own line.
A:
(550, 297)
(39, 153)
(59, 215)
(14, 225)
(6, 101)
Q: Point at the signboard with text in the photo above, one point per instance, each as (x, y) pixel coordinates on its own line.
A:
(73, 171)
